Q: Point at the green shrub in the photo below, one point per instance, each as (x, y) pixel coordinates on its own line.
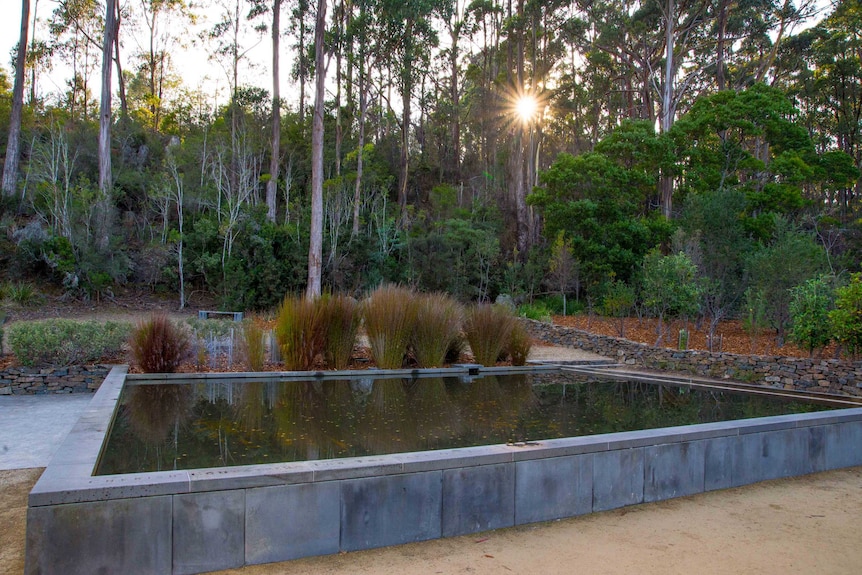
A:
(536, 310)
(390, 317)
(846, 318)
(159, 346)
(488, 328)
(340, 319)
(809, 313)
(211, 327)
(300, 332)
(252, 345)
(438, 324)
(618, 302)
(519, 344)
(64, 342)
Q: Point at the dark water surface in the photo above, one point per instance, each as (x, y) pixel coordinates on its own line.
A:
(190, 426)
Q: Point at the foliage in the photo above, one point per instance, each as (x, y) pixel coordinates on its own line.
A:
(61, 342)
(846, 318)
(158, 345)
(488, 328)
(537, 310)
(788, 261)
(438, 323)
(341, 318)
(300, 332)
(215, 327)
(618, 301)
(670, 286)
(519, 344)
(390, 314)
(810, 305)
(21, 293)
(252, 345)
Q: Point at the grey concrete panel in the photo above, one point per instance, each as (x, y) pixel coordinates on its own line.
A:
(547, 489)
(209, 531)
(292, 521)
(816, 460)
(673, 470)
(391, 510)
(718, 462)
(478, 499)
(129, 536)
(843, 445)
(618, 479)
(770, 455)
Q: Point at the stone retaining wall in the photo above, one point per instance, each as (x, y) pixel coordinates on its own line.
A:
(36, 381)
(823, 375)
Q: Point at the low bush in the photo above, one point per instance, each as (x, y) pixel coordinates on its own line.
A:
(62, 342)
(488, 328)
(340, 319)
(519, 344)
(390, 317)
(438, 325)
(22, 293)
(300, 332)
(159, 346)
(536, 310)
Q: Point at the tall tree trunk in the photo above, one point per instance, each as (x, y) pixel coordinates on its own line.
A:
(32, 48)
(720, 48)
(363, 109)
(406, 92)
(667, 102)
(275, 154)
(339, 26)
(315, 248)
(13, 145)
(104, 210)
(124, 109)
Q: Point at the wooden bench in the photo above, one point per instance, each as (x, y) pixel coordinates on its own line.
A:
(204, 314)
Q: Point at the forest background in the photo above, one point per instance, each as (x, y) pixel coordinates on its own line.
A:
(694, 158)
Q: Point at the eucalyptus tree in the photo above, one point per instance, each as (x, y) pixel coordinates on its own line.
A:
(104, 204)
(10, 165)
(315, 248)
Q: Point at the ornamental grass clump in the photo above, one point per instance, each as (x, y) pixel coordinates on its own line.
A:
(340, 317)
(252, 345)
(159, 346)
(390, 317)
(488, 328)
(519, 344)
(300, 332)
(438, 324)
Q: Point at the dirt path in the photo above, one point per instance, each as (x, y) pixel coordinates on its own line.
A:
(802, 525)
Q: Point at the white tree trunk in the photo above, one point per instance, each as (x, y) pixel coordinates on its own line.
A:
(272, 184)
(315, 248)
(103, 207)
(13, 146)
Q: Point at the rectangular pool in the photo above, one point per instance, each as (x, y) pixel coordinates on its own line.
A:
(188, 519)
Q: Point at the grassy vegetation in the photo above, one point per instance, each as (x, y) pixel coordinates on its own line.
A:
(252, 345)
(60, 342)
(438, 324)
(488, 328)
(159, 346)
(300, 332)
(340, 318)
(390, 318)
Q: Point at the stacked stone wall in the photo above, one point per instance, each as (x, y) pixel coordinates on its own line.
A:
(806, 374)
(36, 381)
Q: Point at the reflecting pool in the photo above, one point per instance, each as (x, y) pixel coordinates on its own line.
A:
(159, 427)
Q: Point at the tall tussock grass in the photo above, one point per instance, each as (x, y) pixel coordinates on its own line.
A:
(390, 318)
(300, 332)
(519, 344)
(438, 325)
(159, 346)
(252, 345)
(488, 328)
(340, 317)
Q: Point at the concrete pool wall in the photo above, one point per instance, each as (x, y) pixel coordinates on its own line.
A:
(209, 519)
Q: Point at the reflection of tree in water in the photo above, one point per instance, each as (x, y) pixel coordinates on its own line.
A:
(250, 408)
(155, 414)
(297, 420)
(387, 424)
(154, 411)
(495, 408)
(337, 419)
(437, 418)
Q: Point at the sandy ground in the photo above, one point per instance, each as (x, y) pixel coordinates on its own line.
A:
(801, 525)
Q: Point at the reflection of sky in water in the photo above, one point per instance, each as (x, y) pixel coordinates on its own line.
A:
(190, 426)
